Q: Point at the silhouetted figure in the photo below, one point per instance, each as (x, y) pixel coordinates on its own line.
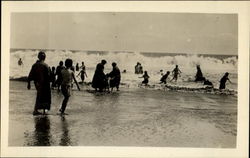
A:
(59, 68)
(199, 75)
(176, 72)
(67, 78)
(115, 77)
(77, 67)
(40, 74)
(223, 81)
(145, 77)
(53, 78)
(83, 74)
(20, 62)
(137, 68)
(164, 78)
(140, 68)
(208, 83)
(99, 79)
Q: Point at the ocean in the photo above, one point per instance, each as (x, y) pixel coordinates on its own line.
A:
(212, 66)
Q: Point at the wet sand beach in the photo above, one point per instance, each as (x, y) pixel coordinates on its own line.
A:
(130, 117)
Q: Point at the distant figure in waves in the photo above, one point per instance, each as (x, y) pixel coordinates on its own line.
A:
(77, 67)
(208, 83)
(164, 78)
(59, 68)
(224, 80)
(20, 62)
(67, 77)
(99, 79)
(138, 68)
(40, 74)
(53, 78)
(115, 77)
(146, 77)
(83, 74)
(199, 75)
(176, 72)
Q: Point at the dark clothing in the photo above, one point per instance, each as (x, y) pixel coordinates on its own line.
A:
(145, 81)
(59, 75)
(199, 76)
(208, 83)
(115, 76)
(53, 79)
(223, 82)
(40, 74)
(77, 68)
(99, 78)
(164, 78)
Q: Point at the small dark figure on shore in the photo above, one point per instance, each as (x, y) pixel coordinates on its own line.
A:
(83, 74)
(115, 77)
(77, 67)
(199, 75)
(59, 68)
(223, 81)
(176, 72)
(164, 78)
(20, 62)
(145, 77)
(99, 81)
(67, 77)
(53, 78)
(40, 74)
(124, 71)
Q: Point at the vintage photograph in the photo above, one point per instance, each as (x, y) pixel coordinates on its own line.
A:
(136, 79)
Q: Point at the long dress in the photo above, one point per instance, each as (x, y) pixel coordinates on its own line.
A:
(40, 74)
(99, 78)
(223, 82)
(115, 75)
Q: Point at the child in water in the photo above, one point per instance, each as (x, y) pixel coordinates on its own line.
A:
(146, 77)
(83, 74)
(176, 72)
(164, 78)
(223, 81)
(67, 76)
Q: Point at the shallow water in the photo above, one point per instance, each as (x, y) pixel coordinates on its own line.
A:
(130, 117)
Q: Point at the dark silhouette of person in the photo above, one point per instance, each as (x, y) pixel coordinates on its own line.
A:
(41, 75)
(83, 74)
(59, 68)
(137, 68)
(77, 67)
(42, 133)
(20, 62)
(223, 81)
(208, 83)
(199, 75)
(99, 79)
(53, 77)
(176, 72)
(115, 77)
(164, 78)
(140, 69)
(145, 77)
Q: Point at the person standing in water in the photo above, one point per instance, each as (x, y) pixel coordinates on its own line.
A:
(223, 81)
(115, 76)
(199, 75)
(77, 67)
(164, 78)
(40, 74)
(67, 77)
(176, 72)
(20, 62)
(59, 68)
(83, 74)
(146, 78)
(99, 79)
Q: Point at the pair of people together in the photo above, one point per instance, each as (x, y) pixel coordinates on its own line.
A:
(41, 75)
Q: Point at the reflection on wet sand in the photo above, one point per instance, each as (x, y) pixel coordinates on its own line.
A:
(65, 138)
(42, 135)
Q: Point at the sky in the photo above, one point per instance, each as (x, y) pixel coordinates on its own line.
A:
(132, 31)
